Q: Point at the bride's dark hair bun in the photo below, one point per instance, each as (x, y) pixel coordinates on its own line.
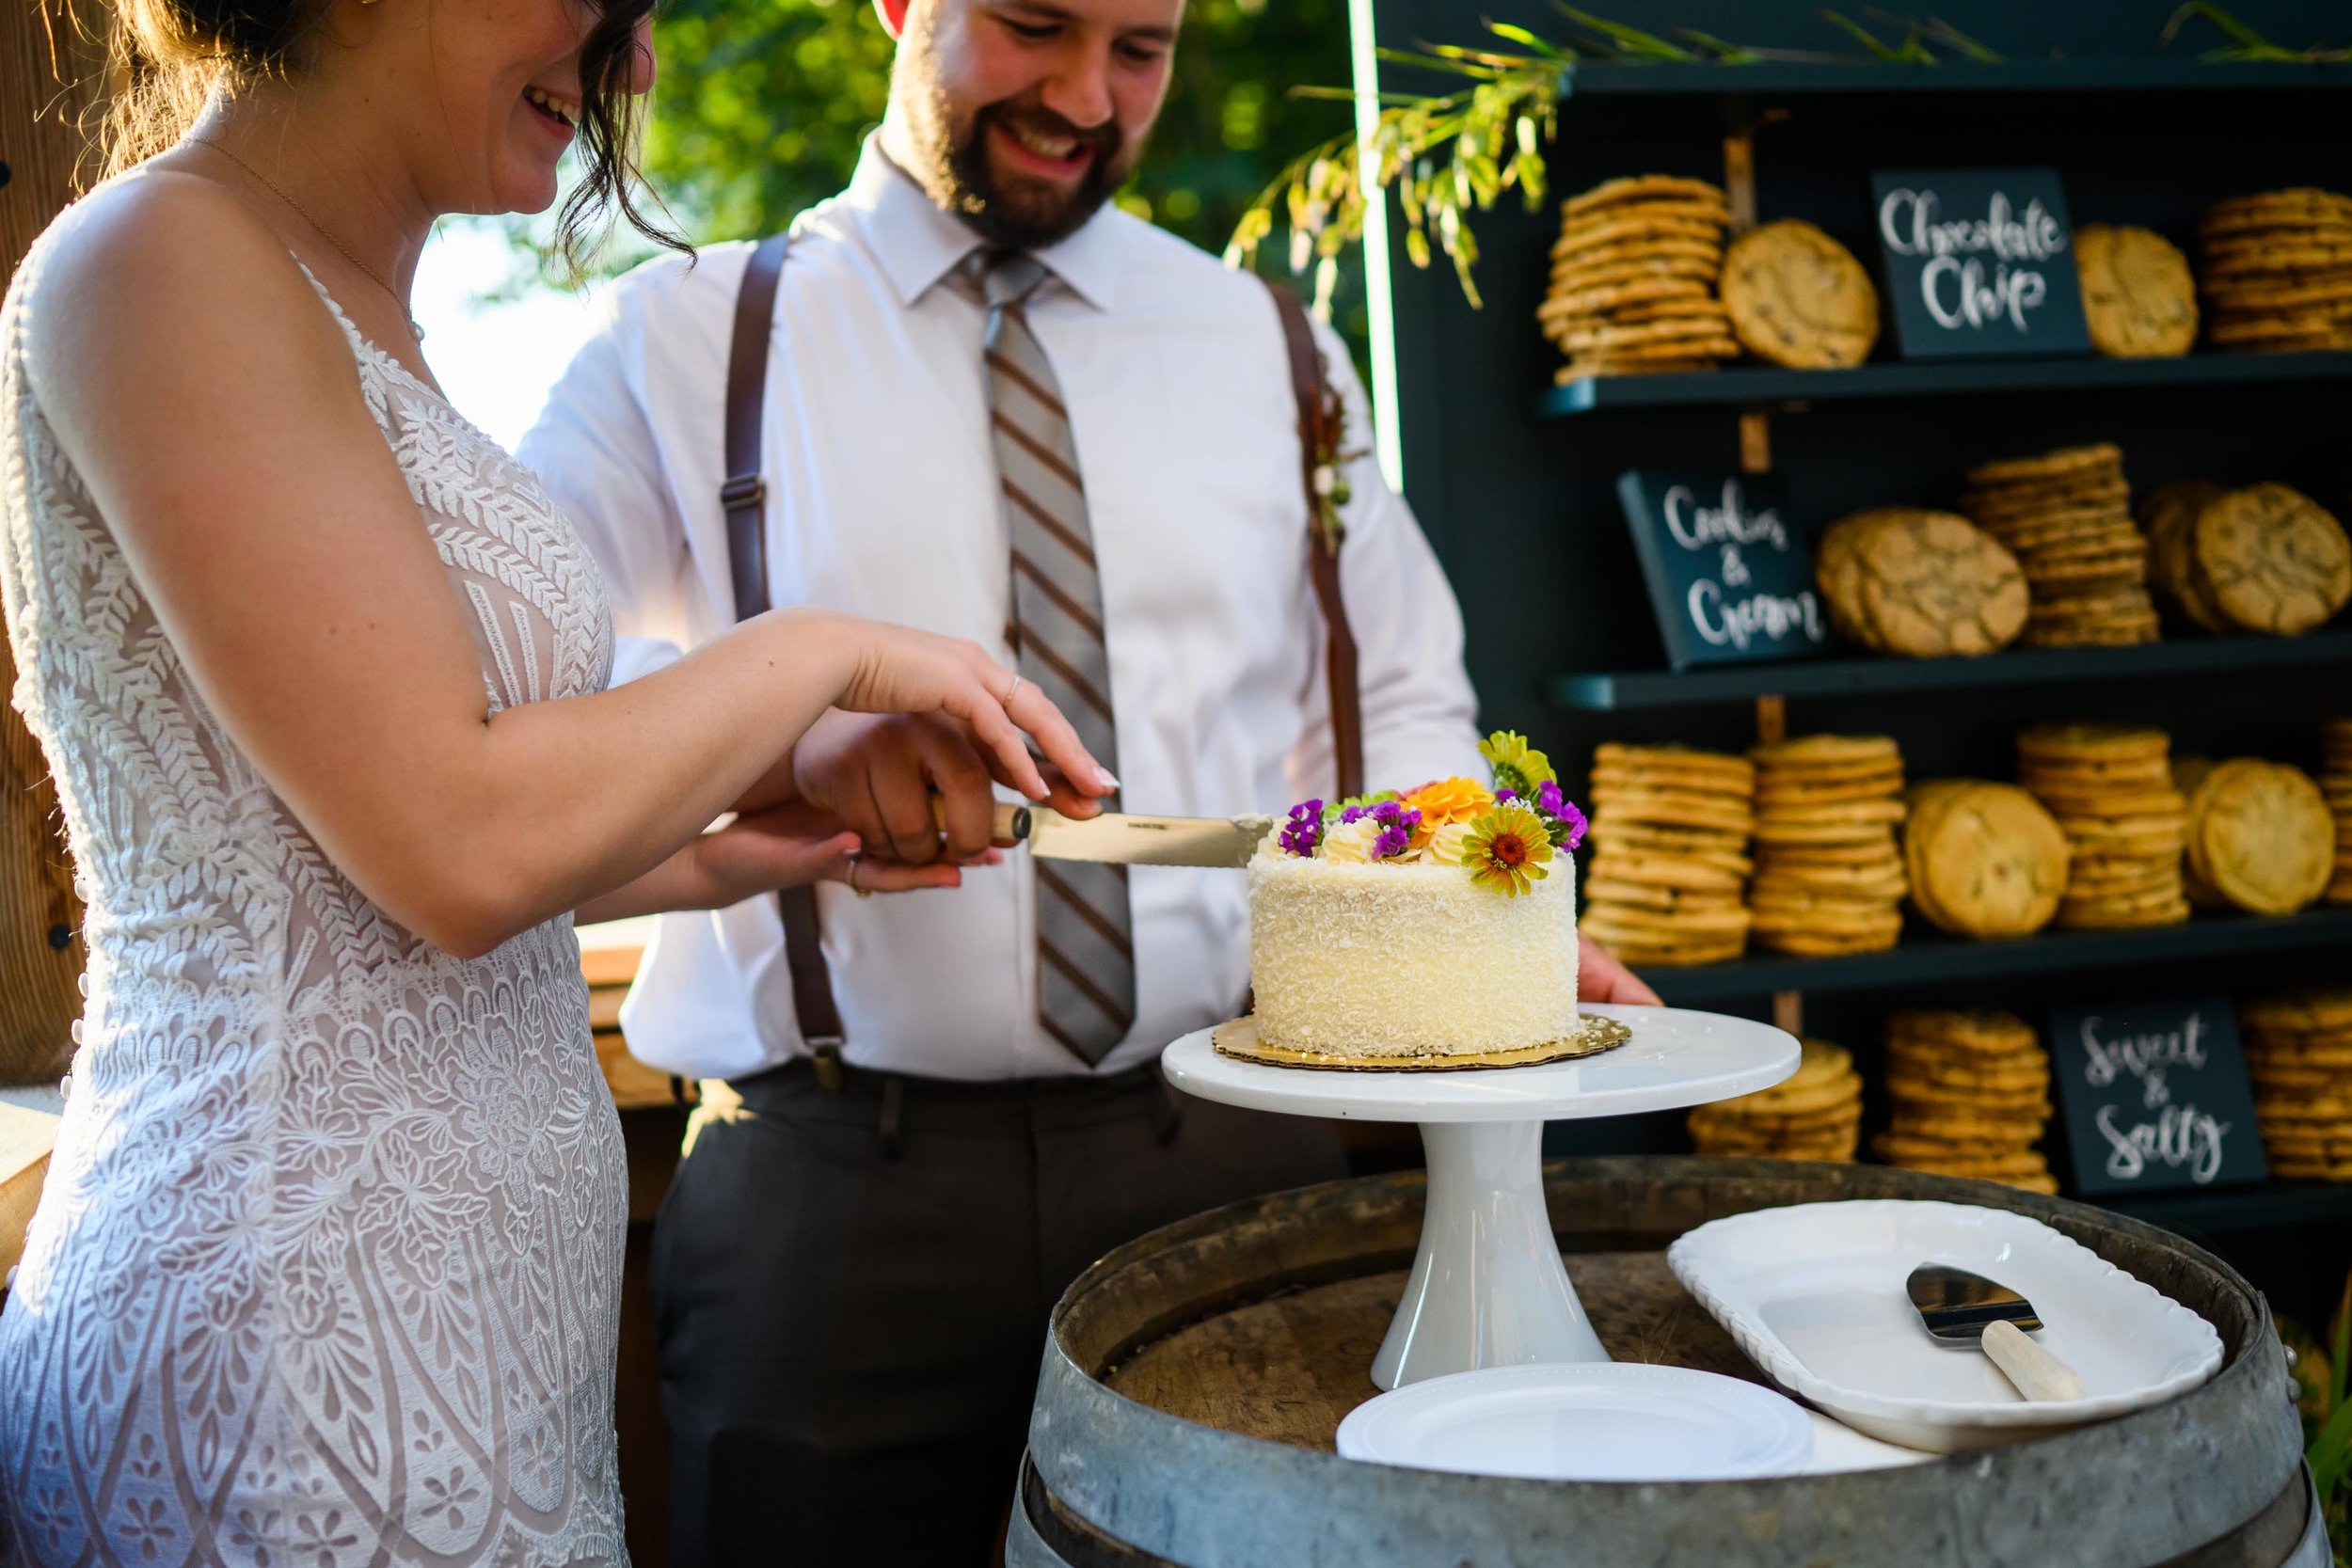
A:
(175, 53)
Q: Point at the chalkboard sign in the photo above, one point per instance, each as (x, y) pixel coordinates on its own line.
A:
(1729, 577)
(1980, 262)
(2154, 1095)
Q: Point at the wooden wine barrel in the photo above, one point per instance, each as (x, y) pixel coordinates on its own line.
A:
(1194, 1381)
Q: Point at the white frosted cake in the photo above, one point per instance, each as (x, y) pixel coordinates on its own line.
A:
(1437, 923)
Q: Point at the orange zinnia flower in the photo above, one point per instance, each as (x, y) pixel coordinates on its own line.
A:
(1450, 801)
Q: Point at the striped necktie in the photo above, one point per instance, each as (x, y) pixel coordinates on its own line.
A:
(1086, 964)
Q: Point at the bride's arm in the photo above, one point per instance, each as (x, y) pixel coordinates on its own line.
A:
(210, 406)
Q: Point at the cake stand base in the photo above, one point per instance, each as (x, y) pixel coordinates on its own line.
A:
(1487, 1287)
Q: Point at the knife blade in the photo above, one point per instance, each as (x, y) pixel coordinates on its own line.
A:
(1215, 841)
(1128, 840)
(1965, 1310)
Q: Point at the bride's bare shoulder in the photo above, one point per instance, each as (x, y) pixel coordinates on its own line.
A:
(154, 272)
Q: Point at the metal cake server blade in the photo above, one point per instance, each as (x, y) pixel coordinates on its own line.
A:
(1128, 840)
(1964, 1310)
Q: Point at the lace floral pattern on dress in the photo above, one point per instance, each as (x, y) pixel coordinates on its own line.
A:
(327, 1268)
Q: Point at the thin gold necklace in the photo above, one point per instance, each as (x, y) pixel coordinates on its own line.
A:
(324, 232)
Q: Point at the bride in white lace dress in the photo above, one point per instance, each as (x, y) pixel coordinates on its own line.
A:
(327, 1266)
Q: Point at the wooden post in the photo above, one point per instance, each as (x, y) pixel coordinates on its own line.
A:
(1756, 457)
(51, 83)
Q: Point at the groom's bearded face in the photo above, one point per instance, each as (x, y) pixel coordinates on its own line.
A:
(1024, 116)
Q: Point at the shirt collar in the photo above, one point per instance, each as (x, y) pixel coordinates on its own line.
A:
(919, 244)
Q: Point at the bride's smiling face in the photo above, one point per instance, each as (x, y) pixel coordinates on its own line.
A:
(497, 90)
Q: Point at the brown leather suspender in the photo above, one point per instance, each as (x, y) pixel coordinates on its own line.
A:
(744, 497)
(1319, 436)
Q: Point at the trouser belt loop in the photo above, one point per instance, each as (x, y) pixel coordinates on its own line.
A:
(825, 1057)
(1167, 1111)
(894, 1099)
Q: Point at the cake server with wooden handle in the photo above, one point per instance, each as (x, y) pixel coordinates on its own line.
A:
(1128, 840)
(1964, 1310)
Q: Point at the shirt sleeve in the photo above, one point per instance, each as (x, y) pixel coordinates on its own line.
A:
(1420, 714)
(594, 448)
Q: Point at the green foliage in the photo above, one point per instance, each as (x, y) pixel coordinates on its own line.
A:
(2246, 45)
(1445, 156)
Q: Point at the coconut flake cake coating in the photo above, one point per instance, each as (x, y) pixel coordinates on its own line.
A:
(1382, 960)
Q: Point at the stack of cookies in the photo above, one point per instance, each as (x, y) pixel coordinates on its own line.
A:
(1670, 853)
(2110, 788)
(2299, 1049)
(1985, 859)
(1829, 876)
(1970, 1095)
(2067, 517)
(2261, 837)
(1633, 278)
(1815, 1114)
(2335, 781)
(1903, 579)
(2277, 271)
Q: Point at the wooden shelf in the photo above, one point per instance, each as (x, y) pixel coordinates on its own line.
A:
(1927, 957)
(1750, 385)
(2165, 73)
(1626, 690)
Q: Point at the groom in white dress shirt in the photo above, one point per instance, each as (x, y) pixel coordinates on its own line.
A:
(853, 1270)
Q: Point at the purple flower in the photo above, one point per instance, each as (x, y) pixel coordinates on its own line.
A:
(1352, 813)
(1567, 826)
(1505, 796)
(1305, 827)
(1549, 800)
(1397, 827)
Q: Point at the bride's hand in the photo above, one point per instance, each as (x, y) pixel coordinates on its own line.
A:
(791, 846)
(899, 670)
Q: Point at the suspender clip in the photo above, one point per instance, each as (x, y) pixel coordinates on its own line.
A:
(825, 1055)
(743, 491)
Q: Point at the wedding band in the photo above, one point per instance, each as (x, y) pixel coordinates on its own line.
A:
(1010, 692)
(851, 879)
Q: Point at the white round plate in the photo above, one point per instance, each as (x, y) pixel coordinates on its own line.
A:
(1677, 1057)
(1609, 1421)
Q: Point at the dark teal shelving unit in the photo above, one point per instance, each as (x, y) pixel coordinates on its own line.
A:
(1621, 691)
(1761, 386)
(1926, 956)
(1513, 476)
(2167, 72)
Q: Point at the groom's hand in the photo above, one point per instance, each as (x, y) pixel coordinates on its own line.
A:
(1601, 976)
(878, 772)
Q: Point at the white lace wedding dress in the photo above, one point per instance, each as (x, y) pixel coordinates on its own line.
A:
(327, 1269)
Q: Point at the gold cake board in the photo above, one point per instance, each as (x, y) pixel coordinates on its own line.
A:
(1239, 1041)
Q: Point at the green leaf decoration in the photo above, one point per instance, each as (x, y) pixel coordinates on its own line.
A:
(2246, 45)
(1630, 42)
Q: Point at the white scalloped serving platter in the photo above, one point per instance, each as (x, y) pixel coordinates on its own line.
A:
(1813, 1294)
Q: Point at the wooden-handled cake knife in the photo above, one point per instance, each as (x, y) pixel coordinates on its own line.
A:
(1129, 840)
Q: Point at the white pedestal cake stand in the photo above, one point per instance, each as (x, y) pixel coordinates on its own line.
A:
(1487, 1287)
